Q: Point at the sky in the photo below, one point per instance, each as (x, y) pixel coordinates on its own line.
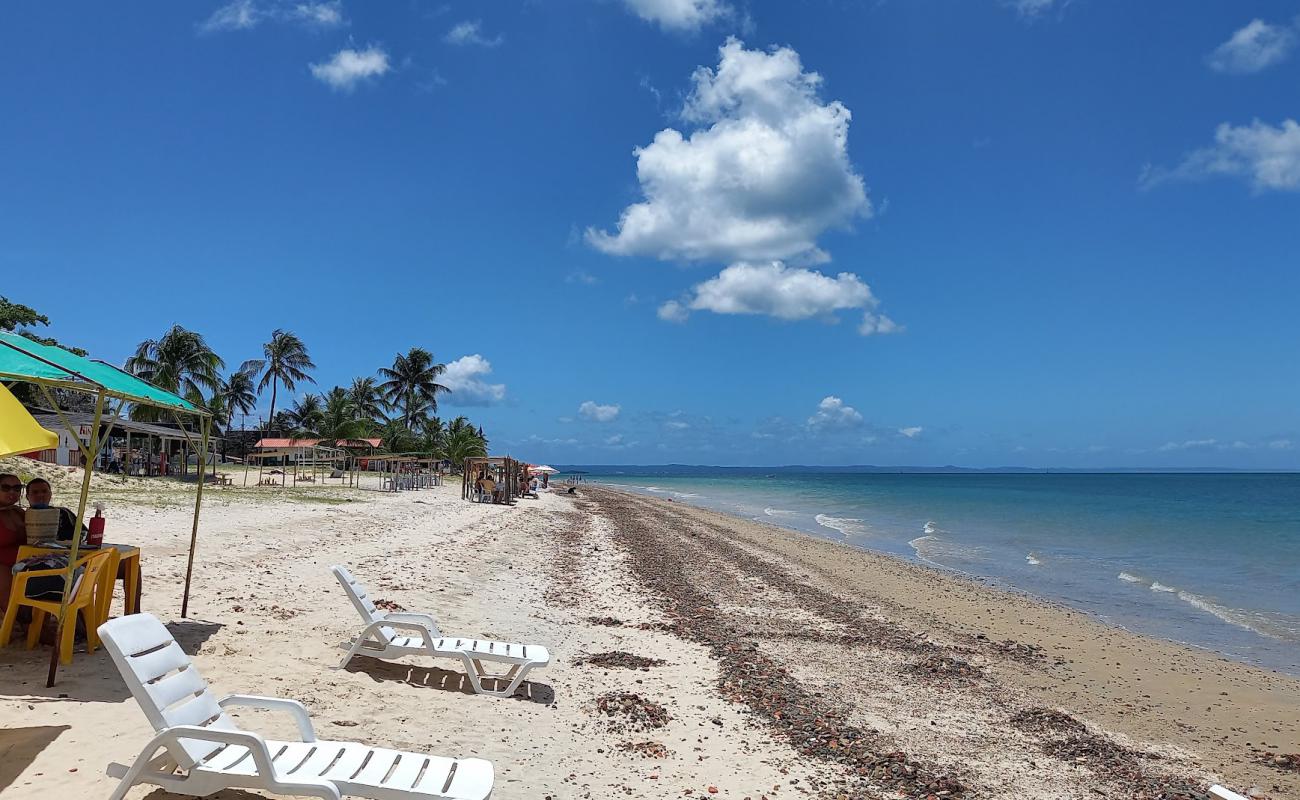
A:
(921, 232)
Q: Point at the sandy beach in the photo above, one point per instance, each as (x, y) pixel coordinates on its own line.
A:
(694, 654)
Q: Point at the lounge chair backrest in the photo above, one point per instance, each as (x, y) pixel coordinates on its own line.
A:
(164, 681)
(361, 601)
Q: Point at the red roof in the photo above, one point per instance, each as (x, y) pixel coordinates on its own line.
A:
(270, 444)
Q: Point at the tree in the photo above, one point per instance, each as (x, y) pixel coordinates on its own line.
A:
(412, 385)
(285, 363)
(397, 438)
(433, 435)
(461, 444)
(180, 362)
(367, 401)
(307, 415)
(15, 315)
(339, 420)
(238, 391)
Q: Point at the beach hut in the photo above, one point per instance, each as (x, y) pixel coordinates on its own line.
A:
(504, 471)
(52, 368)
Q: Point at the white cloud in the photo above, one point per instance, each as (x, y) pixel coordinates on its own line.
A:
(1190, 444)
(466, 378)
(912, 432)
(762, 176)
(347, 68)
(592, 410)
(471, 32)
(679, 15)
(1030, 8)
(1280, 444)
(832, 414)
(1266, 156)
(236, 15)
(676, 425)
(787, 293)
(1255, 47)
(579, 276)
(673, 311)
(616, 439)
(244, 14)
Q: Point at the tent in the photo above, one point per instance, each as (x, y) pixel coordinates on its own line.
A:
(19, 432)
(50, 367)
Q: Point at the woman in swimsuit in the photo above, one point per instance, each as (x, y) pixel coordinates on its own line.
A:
(13, 532)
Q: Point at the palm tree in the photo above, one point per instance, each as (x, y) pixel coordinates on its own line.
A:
(307, 415)
(339, 420)
(238, 391)
(286, 362)
(180, 362)
(397, 438)
(367, 401)
(461, 444)
(434, 434)
(412, 384)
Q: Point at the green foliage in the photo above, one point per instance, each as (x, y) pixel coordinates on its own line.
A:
(411, 385)
(180, 362)
(285, 362)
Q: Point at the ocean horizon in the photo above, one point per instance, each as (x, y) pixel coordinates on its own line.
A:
(1207, 558)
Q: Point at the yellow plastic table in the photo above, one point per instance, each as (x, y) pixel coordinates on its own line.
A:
(128, 556)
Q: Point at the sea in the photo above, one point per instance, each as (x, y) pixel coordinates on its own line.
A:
(1209, 560)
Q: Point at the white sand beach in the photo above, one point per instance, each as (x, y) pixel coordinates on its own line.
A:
(755, 627)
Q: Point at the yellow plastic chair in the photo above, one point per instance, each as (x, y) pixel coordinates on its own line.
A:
(91, 597)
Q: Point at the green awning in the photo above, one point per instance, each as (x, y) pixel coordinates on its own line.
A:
(25, 360)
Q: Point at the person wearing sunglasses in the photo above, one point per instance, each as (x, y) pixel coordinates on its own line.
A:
(13, 533)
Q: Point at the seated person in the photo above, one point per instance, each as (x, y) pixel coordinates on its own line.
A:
(13, 531)
(39, 495)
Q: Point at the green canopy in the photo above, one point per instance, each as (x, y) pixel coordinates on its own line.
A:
(25, 360)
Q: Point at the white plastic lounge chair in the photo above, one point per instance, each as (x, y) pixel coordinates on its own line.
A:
(379, 639)
(204, 751)
(1221, 793)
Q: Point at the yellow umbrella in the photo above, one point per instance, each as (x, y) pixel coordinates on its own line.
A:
(19, 433)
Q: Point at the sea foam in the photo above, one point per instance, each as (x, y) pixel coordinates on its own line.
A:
(845, 525)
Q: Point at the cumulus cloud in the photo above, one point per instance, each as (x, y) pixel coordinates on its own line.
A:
(679, 15)
(776, 290)
(1255, 47)
(596, 412)
(348, 68)
(471, 32)
(244, 14)
(1280, 444)
(466, 377)
(763, 174)
(833, 414)
(911, 432)
(1266, 156)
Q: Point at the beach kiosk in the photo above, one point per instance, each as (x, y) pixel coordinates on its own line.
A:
(51, 368)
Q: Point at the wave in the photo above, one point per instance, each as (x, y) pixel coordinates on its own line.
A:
(1157, 586)
(1130, 578)
(930, 527)
(779, 512)
(847, 526)
(1251, 621)
(1033, 560)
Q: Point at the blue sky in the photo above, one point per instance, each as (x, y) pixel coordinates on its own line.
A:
(698, 231)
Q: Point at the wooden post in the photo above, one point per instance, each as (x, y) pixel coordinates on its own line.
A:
(206, 425)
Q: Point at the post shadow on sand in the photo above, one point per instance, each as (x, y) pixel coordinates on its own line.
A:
(441, 679)
(19, 747)
(91, 677)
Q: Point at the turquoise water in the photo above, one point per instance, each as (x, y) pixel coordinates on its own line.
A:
(1212, 560)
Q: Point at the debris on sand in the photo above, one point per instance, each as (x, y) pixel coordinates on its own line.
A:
(619, 659)
(655, 750)
(629, 711)
(938, 670)
(388, 605)
(606, 622)
(1286, 762)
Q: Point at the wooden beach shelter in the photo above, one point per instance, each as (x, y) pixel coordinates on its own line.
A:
(52, 368)
(504, 470)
